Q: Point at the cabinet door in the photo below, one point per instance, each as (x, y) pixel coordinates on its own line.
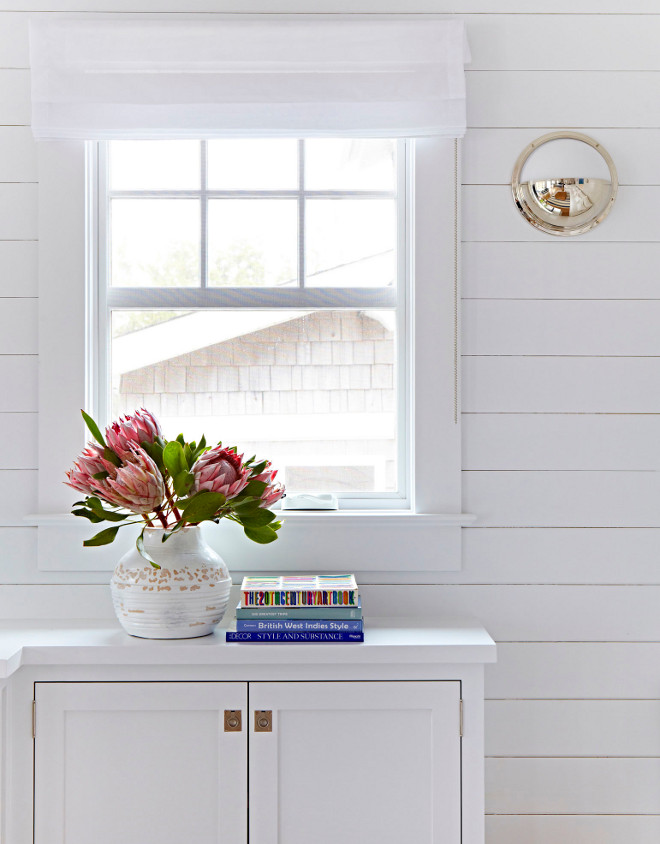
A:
(139, 763)
(368, 762)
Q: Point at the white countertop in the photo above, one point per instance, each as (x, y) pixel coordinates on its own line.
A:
(443, 641)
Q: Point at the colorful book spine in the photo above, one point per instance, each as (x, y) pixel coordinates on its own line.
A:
(300, 636)
(277, 613)
(300, 598)
(293, 625)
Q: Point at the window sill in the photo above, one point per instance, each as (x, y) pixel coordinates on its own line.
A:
(329, 540)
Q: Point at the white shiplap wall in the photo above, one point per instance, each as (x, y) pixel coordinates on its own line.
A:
(560, 398)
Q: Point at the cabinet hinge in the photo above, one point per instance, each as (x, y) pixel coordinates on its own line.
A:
(460, 717)
(34, 719)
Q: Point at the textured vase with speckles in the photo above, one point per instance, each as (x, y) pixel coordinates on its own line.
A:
(183, 599)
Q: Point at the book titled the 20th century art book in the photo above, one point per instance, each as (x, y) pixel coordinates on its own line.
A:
(319, 590)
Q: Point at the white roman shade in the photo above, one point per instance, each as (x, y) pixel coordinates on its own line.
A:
(170, 76)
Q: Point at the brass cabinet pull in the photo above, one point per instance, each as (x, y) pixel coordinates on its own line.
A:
(263, 721)
(233, 721)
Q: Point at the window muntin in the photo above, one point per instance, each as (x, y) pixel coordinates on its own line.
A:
(306, 363)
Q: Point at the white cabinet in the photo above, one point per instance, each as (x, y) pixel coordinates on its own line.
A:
(133, 741)
(135, 762)
(374, 762)
(139, 763)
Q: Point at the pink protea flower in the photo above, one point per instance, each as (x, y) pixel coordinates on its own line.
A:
(138, 485)
(274, 491)
(91, 462)
(139, 427)
(220, 470)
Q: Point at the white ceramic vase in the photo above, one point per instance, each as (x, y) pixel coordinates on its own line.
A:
(183, 599)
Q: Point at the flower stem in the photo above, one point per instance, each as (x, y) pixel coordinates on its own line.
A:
(173, 507)
(161, 518)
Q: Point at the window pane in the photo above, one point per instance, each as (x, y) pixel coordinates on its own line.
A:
(314, 392)
(342, 164)
(154, 165)
(155, 242)
(350, 242)
(253, 242)
(258, 164)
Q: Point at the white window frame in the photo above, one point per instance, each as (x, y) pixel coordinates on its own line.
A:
(419, 541)
(302, 298)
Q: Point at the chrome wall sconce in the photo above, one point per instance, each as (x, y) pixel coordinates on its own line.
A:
(565, 205)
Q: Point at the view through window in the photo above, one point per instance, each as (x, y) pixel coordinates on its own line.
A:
(251, 290)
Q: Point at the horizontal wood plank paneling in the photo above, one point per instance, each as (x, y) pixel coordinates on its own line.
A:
(15, 97)
(573, 670)
(18, 443)
(18, 495)
(489, 214)
(561, 385)
(540, 42)
(573, 786)
(540, 98)
(563, 499)
(535, 327)
(18, 326)
(489, 154)
(561, 269)
(18, 376)
(559, 555)
(18, 268)
(18, 153)
(567, 7)
(566, 728)
(533, 613)
(537, 441)
(572, 829)
(18, 211)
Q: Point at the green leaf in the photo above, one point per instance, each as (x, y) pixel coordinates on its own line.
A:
(254, 489)
(259, 468)
(104, 538)
(88, 514)
(95, 504)
(180, 439)
(93, 428)
(174, 459)
(101, 476)
(262, 535)
(111, 457)
(183, 482)
(257, 518)
(139, 544)
(155, 451)
(187, 453)
(202, 506)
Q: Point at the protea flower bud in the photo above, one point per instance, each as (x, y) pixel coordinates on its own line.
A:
(139, 427)
(90, 463)
(274, 491)
(220, 470)
(138, 485)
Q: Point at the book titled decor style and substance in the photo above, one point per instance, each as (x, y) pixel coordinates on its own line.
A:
(317, 608)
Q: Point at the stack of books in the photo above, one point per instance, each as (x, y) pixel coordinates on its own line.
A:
(315, 608)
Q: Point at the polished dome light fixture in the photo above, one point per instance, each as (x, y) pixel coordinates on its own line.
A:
(564, 205)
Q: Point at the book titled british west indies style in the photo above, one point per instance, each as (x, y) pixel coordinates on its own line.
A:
(320, 590)
(316, 608)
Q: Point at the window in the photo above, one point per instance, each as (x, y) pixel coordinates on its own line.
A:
(257, 291)
(328, 78)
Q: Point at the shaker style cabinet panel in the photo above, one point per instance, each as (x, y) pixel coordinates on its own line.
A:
(139, 763)
(377, 762)
(374, 762)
